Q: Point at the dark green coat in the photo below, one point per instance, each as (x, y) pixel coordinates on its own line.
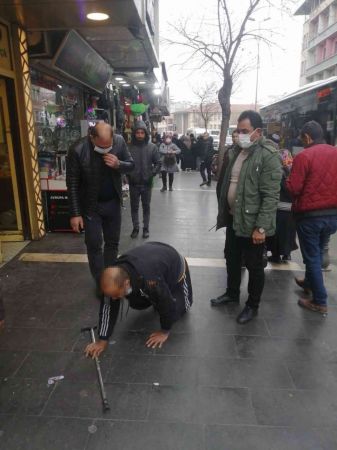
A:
(257, 193)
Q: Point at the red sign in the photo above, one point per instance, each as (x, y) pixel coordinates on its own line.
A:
(323, 93)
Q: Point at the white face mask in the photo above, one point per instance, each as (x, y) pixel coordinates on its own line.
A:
(102, 151)
(244, 140)
(128, 291)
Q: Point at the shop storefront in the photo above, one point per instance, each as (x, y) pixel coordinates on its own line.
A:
(11, 220)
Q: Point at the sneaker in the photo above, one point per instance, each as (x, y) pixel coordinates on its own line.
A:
(146, 233)
(301, 283)
(134, 233)
(203, 183)
(312, 306)
(224, 299)
(163, 189)
(246, 315)
(209, 183)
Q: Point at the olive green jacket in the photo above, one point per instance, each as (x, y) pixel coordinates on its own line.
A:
(257, 192)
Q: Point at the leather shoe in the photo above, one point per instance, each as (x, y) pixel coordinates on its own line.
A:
(134, 233)
(301, 283)
(224, 299)
(146, 233)
(246, 315)
(312, 306)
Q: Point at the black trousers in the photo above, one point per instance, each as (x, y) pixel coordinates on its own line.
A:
(205, 166)
(164, 178)
(103, 227)
(144, 193)
(235, 249)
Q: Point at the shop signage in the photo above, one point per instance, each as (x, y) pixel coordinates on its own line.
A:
(77, 59)
(324, 93)
(58, 217)
(5, 55)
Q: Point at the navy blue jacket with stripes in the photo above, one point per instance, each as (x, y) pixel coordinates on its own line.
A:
(155, 270)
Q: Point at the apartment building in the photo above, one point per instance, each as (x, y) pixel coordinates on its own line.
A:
(319, 50)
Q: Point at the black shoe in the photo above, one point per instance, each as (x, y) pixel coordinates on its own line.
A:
(224, 299)
(134, 233)
(286, 258)
(246, 315)
(171, 189)
(163, 189)
(203, 183)
(274, 259)
(209, 183)
(146, 233)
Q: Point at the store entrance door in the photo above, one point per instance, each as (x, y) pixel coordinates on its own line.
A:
(10, 212)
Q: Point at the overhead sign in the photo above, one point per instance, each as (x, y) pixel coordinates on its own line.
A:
(77, 59)
(5, 54)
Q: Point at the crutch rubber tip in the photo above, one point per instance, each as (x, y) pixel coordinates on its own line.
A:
(106, 406)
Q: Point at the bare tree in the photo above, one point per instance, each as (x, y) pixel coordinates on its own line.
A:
(221, 50)
(206, 95)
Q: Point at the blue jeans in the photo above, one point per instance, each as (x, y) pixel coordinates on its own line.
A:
(313, 233)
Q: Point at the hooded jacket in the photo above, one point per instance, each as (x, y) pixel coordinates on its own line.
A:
(257, 193)
(146, 158)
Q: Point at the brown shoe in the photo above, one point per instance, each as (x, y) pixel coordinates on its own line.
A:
(312, 306)
(301, 284)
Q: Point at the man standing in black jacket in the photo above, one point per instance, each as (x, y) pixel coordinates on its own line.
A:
(153, 274)
(147, 164)
(94, 168)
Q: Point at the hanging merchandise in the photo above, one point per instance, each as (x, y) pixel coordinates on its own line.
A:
(139, 108)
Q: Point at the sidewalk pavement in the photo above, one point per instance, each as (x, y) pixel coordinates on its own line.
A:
(215, 385)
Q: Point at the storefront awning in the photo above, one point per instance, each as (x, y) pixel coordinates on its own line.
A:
(125, 40)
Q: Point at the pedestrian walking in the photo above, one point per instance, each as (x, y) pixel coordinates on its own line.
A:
(169, 166)
(95, 165)
(147, 163)
(206, 153)
(313, 187)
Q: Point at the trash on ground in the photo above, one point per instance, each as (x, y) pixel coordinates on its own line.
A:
(92, 429)
(52, 380)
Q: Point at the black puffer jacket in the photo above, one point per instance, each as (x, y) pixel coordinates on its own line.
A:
(84, 174)
(146, 158)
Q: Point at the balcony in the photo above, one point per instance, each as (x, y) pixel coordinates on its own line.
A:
(321, 66)
(321, 37)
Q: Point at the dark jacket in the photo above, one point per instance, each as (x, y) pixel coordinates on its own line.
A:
(206, 150)
(84, 173)
(2, 309)
(313, 182)
(257, 193)
(155, 269)
(146, 158)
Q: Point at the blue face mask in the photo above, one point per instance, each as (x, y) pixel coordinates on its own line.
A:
(102, 151)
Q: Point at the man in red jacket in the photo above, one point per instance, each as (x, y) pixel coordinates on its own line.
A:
(313, 187)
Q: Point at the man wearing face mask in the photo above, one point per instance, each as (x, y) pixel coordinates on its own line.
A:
(94, 168)
(151, 275)
(247, 208)
(147, 164)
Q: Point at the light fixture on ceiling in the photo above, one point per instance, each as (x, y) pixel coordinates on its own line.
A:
(59, 86)
(126, 85)
(142, 82)
(157, 91)
(122, 82)
(119, 79)
(98, 16)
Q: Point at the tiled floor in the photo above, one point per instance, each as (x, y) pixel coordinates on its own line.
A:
(215, 385)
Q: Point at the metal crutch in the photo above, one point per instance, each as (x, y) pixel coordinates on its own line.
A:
(105, 402)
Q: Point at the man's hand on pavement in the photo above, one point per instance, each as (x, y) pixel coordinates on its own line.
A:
(258, 238)
(157, 339)
(95, 349)
(111, 161)
(77, 224)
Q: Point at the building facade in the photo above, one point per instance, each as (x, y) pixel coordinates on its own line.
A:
(190, 117)
(60, 73)
(319, 48)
